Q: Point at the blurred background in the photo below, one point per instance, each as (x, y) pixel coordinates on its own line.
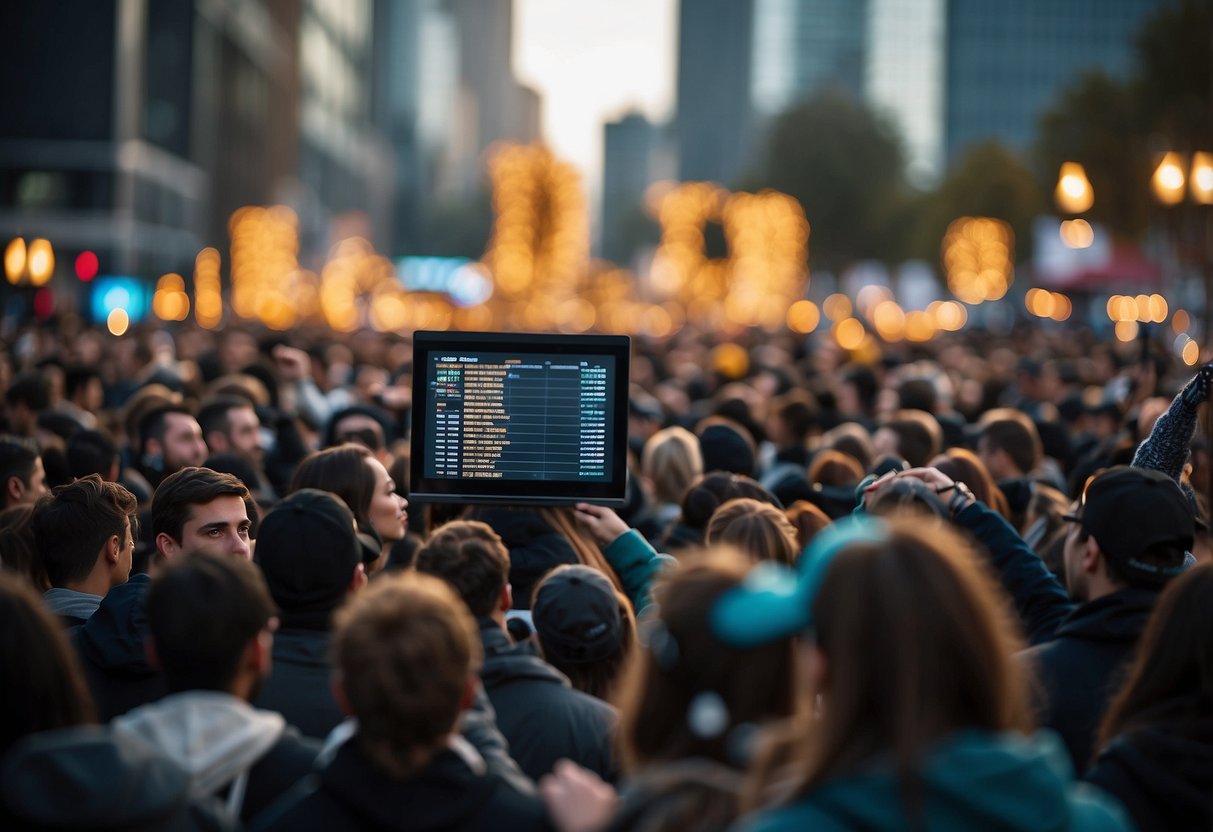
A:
(885, 168)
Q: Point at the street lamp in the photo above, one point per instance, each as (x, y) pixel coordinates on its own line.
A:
(1074, 193)
(33, 264)
(1173, 181)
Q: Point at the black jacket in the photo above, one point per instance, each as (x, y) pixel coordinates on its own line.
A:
(299, 684)
(111, 646)
(1162, 771)
(541, 715)
(535, 548)
(1081, 668)
(353, 794)
(88, 778)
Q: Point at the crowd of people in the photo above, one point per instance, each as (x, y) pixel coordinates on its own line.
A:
(955, 585)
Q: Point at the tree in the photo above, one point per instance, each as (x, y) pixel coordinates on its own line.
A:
(1098, 122)
(844, 164)
(988, 181)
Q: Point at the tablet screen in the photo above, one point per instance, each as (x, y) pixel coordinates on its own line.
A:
(518, 418)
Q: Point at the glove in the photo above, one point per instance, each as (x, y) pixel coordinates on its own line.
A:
(1197, 390)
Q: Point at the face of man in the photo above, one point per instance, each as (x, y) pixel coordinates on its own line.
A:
(37, 483)
(244, 433)
(220, 527)
(1073, 554)
(126, 553)
(182, 445)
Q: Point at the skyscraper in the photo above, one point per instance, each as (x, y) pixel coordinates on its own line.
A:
(1007, 61)
(628, 152)
(713, 98)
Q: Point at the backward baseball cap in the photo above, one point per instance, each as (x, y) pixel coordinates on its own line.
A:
(1132, 510)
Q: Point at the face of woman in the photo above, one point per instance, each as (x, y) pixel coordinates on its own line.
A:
(387, 511)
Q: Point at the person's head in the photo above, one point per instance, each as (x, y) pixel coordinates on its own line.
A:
(756, 529)
(907, 641)
(671, 462)
(857, 392)
(962, 465)
(726, 446)
(169, 440)
(406, 651)
(82, 387)
(1174, 659)
(229, 424)
(93, 452)
(852, 439)
(17, 548)
(714, 490)
(21, 471)
(472, 558)
(585, 627)
(1131, 528)
(212, 623)
(793, 416)
(197, 511)
(914, 435)
(27, 395)
(688, 694)
(308, 550)
(84, 533)
(1009, 444)
(361, 425)
(807, 519)
(44, 688)
(358, 477)
(831, 467)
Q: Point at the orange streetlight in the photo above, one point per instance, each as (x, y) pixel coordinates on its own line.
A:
(1074, 193)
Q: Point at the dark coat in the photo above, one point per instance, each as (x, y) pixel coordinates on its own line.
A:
(1162, 770)
(541, 715)
(353, 794)
(113, 654)
(535, 548)
(1082, 667)
(299, 684)
(88, 778)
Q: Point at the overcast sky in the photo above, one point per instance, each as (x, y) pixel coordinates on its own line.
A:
(592, 61)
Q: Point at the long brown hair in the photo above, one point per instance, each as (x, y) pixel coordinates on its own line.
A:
(560, 518)
(43, 686)
(682, 662)
(1174, 656)
(341, 470)
(962, 465)
(919, 643)
(757, 529)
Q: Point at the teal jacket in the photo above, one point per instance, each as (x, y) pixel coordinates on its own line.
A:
(637, 564)
(975, 780)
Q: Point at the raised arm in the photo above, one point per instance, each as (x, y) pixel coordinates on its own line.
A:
(1166, 448)
(629, 554)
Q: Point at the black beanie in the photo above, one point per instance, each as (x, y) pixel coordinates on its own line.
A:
(724, 449)
(307, 549)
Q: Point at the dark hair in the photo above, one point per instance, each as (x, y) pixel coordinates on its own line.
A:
(1012, 431)
(154, 423)
(74, 521)
(343, 471)
(202, 613)
(17, 551)
(919, 436)
(471, 557)
(76, 377)
(917, 394)
(754, 528)
(17, 458)
(1174, 658)
(178, 493)
(865, 383)
(683, 661)
(714, 490)
(91, 452)
(43, 688)
(405, 649)
(798, 411)
(213, 415)
(30, 388)
(376, 442)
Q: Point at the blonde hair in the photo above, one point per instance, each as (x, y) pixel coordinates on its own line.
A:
(671, 461)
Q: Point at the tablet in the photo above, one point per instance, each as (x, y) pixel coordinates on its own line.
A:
(517, 418)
